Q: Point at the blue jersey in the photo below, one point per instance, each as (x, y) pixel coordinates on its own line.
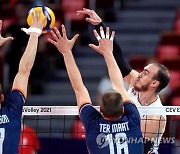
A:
(10, 122)
(121, 136)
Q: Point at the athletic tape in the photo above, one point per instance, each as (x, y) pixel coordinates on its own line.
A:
(111, 38)
(102, 34)
(98, 37)
(32, 30)
(107, 36)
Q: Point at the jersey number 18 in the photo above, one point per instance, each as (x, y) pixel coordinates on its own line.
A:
(120, 141)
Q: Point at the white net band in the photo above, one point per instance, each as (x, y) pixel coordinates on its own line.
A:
(73, 110)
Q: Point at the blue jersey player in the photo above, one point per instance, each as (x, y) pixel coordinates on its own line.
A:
(116, 128)
(12, 104)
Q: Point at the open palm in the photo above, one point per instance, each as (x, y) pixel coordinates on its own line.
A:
(4, 39)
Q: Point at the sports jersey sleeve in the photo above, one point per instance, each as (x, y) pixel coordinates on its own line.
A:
(87, 113)
(131, 110)
(15, 101)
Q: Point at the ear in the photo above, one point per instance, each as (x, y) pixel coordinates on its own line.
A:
(1, 98)
(155, 83)
(122, 111)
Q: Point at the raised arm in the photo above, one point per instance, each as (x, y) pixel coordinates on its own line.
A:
(65, 48)
(127, 72)
(105, 48)
(27, 60)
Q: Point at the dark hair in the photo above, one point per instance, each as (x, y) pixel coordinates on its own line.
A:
(162, 76)
(112, 104)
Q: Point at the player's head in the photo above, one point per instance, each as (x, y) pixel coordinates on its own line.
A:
(155, 76)
(112, 104)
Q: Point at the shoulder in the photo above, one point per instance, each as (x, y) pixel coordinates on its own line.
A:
(15, 98)
(130, 109)
(16, 94)
(87, 108)
(129, 104)
(87, 115)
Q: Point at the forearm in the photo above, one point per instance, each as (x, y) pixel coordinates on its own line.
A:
(118, 55)
(73, 72)
(27, 60)
(115, 75)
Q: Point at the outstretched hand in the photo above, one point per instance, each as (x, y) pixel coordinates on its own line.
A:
(105, 41)
(37, 24)
(93, 18)
(3, 40)
(62, 43)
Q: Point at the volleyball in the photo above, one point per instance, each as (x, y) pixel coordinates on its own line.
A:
(45, 12)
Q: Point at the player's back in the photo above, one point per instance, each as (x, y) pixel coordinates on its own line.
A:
(121, 136)
(10, 122)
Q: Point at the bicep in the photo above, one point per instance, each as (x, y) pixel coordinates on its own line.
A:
(131, 77)
(21, 82)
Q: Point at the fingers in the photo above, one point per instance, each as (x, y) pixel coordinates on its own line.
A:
(54, 34)
(9, 38)
(37, 15)
(81, 12)
(94, 47)
(51, 41)
(84, 11)
(102, 35)
(75, 38)
(64, 31)
(107, 32)
(90, 20)
(96, 35)
(112, 36)
(33, 16)
(102, 32)
(57, 33)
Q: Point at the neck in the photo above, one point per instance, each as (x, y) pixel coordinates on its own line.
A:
(112, 118)
(146, 98)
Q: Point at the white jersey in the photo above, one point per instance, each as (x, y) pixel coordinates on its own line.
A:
(134, 96)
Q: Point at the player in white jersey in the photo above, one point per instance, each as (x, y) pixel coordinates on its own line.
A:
(148, 132)
(144, 88)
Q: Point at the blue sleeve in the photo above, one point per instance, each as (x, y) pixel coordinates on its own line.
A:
(15, 101)
(87, 114)
(131, 110)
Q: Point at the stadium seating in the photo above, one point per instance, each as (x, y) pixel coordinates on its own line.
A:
(166, 52)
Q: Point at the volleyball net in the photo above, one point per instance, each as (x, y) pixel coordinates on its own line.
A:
(58, 130)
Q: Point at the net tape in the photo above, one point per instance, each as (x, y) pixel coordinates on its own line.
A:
(73, 110)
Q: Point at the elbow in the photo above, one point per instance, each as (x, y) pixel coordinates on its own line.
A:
(79, 89)
(25, 69)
